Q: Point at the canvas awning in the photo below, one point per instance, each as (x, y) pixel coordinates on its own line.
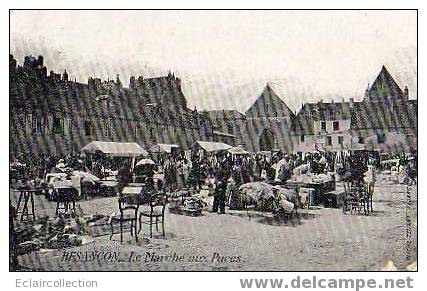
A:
(237, 151)
(163, 148)
(115, 149)
(210, 146)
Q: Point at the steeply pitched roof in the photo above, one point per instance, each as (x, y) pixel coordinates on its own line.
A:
(224, 114)
(385, 115)
(384, 87)
(269, 104)
(304, 121)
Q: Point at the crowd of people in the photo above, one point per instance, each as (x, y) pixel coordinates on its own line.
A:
(222, 172)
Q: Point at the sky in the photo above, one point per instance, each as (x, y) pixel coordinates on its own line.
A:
(226, 58)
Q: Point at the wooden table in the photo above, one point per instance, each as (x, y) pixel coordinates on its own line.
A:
(107, 188)
(28, 195)
(65, 195)
(321, 188)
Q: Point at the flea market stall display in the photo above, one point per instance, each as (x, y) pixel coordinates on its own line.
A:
(357, 172)
(190, 201)
(265, 197)
(106, 158)
(145, 172)
(162, 150)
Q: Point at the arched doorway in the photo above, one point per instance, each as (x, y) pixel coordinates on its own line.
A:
(267, 141)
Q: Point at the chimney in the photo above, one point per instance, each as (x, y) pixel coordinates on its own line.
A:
(366, 95)
(65, 76)
(406, 93)
(178, 83)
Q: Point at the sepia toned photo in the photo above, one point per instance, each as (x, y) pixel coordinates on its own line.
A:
(213, 140)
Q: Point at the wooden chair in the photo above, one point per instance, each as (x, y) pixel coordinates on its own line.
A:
(248, 205)
(346, 197)
(128, 213)
(155, 211)
(355, 198)
(369, 189)
(66, 197)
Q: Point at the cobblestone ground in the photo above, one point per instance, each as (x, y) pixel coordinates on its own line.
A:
(320, 240)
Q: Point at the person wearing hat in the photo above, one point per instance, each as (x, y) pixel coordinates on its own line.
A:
(220, 192)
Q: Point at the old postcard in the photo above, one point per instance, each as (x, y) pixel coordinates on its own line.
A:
(196, 140)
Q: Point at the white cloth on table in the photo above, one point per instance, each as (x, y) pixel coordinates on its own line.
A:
(76, 182)
(304, 194)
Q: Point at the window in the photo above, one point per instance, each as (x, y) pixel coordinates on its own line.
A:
(107, 128)
(381, 138)
(336, 125)
(88, 128)
(37, 124)
(361, 139)
(323, 125)
(329, 140)
(302, 138)
(340, 140)
(57, 125)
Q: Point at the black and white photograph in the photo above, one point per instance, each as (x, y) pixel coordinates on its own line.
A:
(213, 140)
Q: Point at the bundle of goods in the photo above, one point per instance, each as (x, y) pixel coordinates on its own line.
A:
(194, 206)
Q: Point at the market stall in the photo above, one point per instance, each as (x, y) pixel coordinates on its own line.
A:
(237, 151)
(115, 149)
(162, 148)
(320, 183)
(211, 147)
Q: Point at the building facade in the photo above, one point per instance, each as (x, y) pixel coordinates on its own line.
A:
(268, 124)
(53, 115)
(323, 126)
(228, 126)
(386, 119)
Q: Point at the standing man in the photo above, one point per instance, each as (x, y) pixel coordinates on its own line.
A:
(125, 176)
(220, 193)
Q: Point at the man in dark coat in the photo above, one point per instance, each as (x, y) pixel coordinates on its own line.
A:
(220, 193)
(125, 176)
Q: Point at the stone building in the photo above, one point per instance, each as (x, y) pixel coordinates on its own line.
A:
(268, 124)
(323, 126)
(52, 114)
(228, 126)
(386, 119)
